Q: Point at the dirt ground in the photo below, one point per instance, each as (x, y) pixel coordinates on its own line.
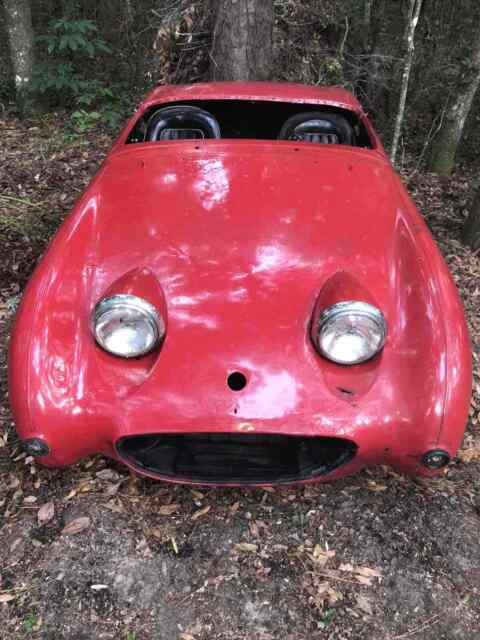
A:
(94, 552)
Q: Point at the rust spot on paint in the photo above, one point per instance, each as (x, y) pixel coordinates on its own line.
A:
(346, 392)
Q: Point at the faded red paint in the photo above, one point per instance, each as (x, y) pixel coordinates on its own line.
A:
(240, 243)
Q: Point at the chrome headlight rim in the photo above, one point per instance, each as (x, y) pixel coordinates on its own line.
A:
(346, 307)
(122, 300)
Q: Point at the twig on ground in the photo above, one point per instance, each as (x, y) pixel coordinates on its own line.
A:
(428, 623)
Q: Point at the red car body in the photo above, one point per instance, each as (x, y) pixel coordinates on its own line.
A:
(239, 243)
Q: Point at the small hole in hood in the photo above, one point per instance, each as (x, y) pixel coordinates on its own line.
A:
(237, 381)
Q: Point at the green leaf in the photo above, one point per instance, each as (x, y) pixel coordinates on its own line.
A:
(64, 43)
(84, 26)
(101, 45)
(87, 100)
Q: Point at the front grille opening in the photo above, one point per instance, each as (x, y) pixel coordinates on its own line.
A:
(245, 458)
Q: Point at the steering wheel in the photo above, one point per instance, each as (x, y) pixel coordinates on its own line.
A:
(181, 122)
(318, 126)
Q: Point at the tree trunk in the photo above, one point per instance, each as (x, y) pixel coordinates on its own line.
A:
(243, 40)
(20, 34)
(367, 26)
(444, 150)
(415, 7)
(471, 230)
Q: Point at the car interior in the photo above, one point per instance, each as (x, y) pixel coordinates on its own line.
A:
(250, 119)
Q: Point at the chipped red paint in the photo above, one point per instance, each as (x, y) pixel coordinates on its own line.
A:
(240, 243)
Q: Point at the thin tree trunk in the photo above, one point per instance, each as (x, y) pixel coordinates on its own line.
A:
(442, 158)
(471, 230)
(243, 40)
(415, 7)
(381, 44)
(20, 35)
(367, 25)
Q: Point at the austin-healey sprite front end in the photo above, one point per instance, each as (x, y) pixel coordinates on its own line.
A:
(244, 295)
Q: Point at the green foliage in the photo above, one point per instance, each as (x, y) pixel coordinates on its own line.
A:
(29, 622)
(83, 120)
(333, 71)
(74, 35)
(328, 616)
(69, 46)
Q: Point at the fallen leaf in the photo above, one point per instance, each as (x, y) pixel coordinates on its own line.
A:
(85, 487)
(368, 572)
(470, 454)
(168, 509)
(334, 596)
(158, 533)
(76, 526)
(323, 587)
(364, 604)
(247, 547)
(200, 512)
(14, 482)
(112, 489)
(46, 512)
(321, 556)
(376, 486)
(15, 544)
(115, 506)
(108, 474)
(235, 507)
(7, 597)
(363, 580)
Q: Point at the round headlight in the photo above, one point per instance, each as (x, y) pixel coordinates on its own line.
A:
(351, 332)
(127, 326)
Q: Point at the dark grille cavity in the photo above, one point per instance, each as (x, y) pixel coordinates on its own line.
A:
(238, 458)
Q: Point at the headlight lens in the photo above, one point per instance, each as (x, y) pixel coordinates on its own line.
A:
(351, 332)
(127, 326)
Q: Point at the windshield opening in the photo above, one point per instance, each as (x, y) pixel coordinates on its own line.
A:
(250, 119)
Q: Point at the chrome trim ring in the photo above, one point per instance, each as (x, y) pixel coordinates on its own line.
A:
(346, 307)
(119, 301)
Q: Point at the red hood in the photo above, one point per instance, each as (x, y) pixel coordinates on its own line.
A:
(237, 221)
(242, 239)
(242, 236)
